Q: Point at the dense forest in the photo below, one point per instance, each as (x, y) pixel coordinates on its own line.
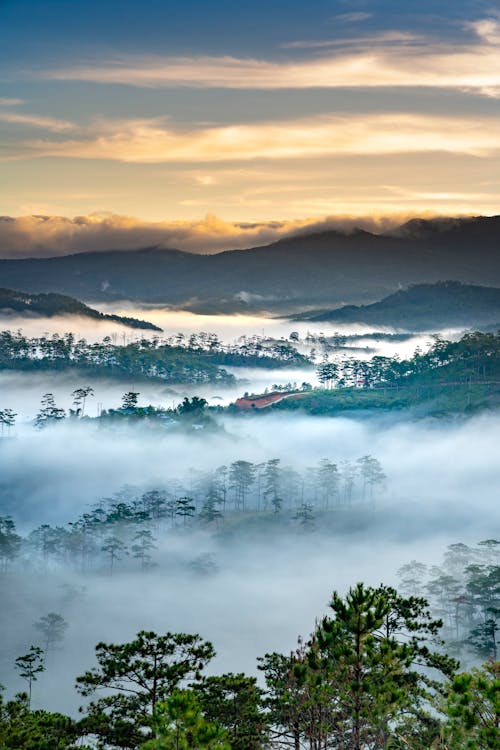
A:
(50, 305)
(456, 375)
(195, 359)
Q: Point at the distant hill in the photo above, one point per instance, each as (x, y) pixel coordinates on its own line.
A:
(326, 268)
(423, 307)
(50, 305)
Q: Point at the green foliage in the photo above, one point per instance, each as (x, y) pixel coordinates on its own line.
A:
(452, 376)
(141, 674)
(192, 408)
(30, 666)
(362, 670)
(235, 702)
(473, 708)
(201, 360)
(23, 729)
(178, 724)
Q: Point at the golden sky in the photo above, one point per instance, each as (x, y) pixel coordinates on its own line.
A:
(271, 113)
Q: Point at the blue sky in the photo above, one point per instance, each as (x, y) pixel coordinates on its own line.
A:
(291, 111)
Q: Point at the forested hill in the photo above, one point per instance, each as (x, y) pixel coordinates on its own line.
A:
(50, 305)
(423, 307)
(327, 268)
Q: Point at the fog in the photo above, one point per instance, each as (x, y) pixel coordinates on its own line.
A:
(441, 487)
(267, 579)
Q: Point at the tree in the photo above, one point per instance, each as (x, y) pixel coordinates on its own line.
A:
(305, 516)
(49, 412)
(179, 724)
(130, 400)
(10, 542)
(184, 508)
(328, 481)
(371, 472)
(234, 701)
(327, 373)
(141, 674)
(80, 395)
(21, 728)
(209, 512)
(53, 627)
(363, 669)
(29, 666)
(272, 479)
(473, 709)
(7, 420)
(144, 544)
(241, 478)
(193, 407)
(114, 548)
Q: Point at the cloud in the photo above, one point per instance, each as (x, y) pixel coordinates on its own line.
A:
(36, 121)
(488, 29)
(45, 236)
(474, 65)
(6, 102)
(393, 37)
(352, 17)
(153, 141)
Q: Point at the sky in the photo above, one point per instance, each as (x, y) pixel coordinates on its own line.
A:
(239, 117)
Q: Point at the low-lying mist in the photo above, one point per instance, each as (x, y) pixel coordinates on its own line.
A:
(262, 587)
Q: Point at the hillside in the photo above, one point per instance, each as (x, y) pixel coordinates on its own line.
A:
(51, 305)
(327, 268)
(453, 378)
(423, 307)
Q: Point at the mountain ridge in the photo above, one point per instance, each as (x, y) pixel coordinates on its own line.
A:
(304, 270)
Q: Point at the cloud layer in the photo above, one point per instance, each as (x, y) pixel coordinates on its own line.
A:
(397, 59)
(45, 236)
(153, 141)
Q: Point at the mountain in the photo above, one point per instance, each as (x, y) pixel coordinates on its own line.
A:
(50, 305)
(327, 268)
(422, 307)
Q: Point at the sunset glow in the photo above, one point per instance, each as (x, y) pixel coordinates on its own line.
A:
(353, 108)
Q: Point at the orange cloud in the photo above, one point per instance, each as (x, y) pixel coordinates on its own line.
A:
(28, 236)
(152, 141)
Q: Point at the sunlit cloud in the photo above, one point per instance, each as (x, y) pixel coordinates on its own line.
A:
(152, 141)
(467, 66)
(205, 179)
(37, 121)
(28, 236)
(487, 29)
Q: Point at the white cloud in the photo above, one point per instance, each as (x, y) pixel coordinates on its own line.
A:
(370, 63)
(352, 17)
(487, 29)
